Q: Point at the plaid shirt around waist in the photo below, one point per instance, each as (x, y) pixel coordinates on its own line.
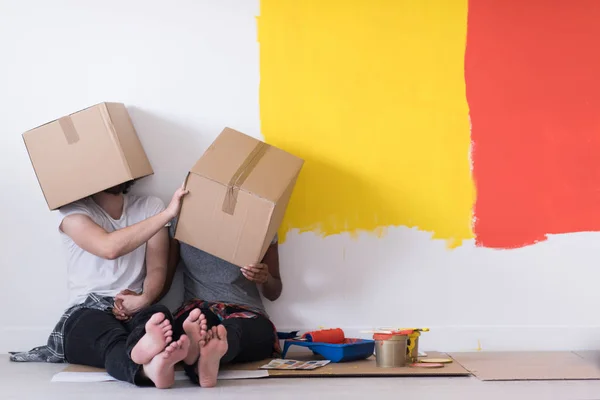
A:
(54, 350)
(226, 311)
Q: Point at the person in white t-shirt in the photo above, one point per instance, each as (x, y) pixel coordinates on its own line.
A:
(117, 248)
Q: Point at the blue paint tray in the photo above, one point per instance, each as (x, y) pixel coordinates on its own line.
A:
(350, 350)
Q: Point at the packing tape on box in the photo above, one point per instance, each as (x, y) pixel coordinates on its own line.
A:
(66, 124)
(242, 173)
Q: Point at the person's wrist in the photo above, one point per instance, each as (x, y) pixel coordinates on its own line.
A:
(168, 215)
(147, 299)
(269, 277)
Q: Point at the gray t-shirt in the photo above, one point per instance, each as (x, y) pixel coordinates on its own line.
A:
(212, 279)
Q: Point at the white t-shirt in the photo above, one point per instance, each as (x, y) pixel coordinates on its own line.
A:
(88, 273)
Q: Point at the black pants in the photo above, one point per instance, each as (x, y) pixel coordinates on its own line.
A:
(97, 339)
(248, 339)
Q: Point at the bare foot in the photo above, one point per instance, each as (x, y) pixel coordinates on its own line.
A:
(195, 328)
(212, 349)
(161, 369)
(159, 333)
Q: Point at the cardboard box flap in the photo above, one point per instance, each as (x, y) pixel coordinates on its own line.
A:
(225, 156)
(55, 120)
(238, 160)
(271, 176)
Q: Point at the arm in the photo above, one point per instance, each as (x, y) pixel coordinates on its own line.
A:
(266, 273)
(94, 239)
(128, 303)
(172, 263)
(157, 253)
(272, 288)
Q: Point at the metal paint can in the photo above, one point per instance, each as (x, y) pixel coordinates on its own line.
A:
(412, 348)
(390, 349)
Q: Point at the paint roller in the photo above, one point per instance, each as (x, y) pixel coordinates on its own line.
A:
(332, 336)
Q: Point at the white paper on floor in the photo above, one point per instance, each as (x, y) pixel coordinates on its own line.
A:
(179, 376)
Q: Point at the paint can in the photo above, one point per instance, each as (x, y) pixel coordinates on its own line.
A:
(412, 348)
(390, 349)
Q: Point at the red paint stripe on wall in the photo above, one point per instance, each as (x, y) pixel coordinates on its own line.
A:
(532, 72)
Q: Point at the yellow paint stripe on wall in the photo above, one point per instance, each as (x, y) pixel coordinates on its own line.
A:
(372, 95)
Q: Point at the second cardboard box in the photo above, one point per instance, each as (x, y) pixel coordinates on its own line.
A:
(238, 193)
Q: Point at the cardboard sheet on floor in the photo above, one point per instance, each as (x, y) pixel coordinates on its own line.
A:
(591, 355)
(363, 368)
(525, 366)
(81, 373)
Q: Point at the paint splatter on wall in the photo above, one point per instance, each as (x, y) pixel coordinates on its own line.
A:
(372, 95)
(533, 86)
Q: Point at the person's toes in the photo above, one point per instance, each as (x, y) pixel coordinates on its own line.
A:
(171, 347)
(194, 314)
(221, 332)
(183, 340)
(157, 318)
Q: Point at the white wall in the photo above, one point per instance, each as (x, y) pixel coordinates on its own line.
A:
(188, 68)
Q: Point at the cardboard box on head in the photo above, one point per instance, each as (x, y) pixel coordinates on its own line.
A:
(85, 153)
(238, 193)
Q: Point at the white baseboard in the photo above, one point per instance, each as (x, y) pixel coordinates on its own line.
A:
(447, 338)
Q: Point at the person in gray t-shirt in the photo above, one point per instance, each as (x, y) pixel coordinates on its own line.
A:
(229, 296)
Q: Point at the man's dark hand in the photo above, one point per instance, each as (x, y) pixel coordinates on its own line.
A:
(258, 273)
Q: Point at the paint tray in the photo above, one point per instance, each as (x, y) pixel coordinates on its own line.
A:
(349, 350)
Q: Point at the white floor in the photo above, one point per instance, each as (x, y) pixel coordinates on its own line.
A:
(32, 381)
